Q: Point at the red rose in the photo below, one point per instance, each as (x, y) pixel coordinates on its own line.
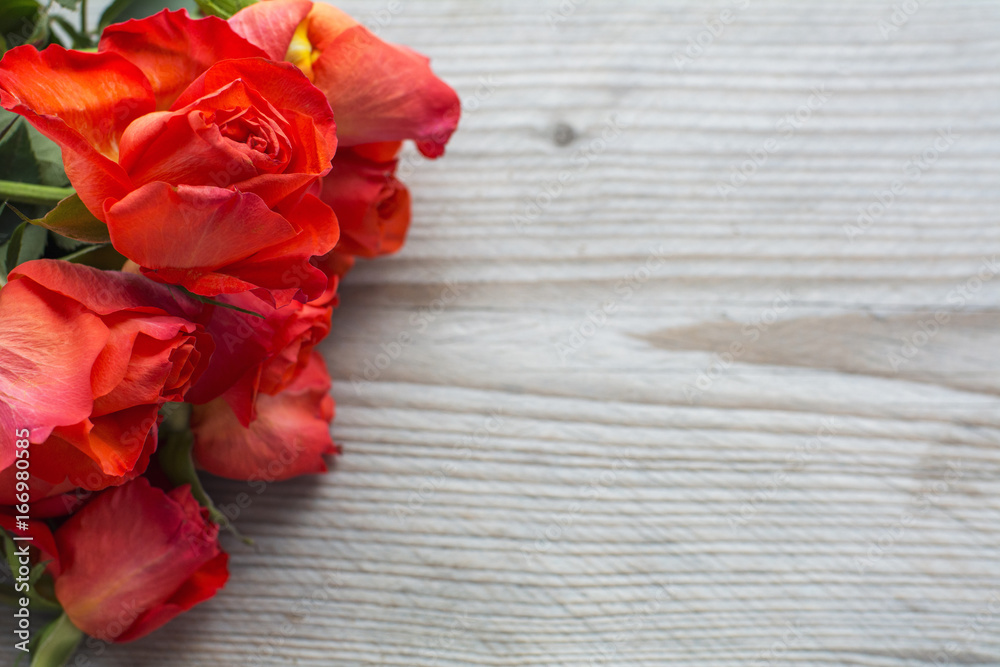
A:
(192, 147)
(372, 205)
(135, 557)
(288, 438)
(257, 356)
(87, 358)
(378, 91)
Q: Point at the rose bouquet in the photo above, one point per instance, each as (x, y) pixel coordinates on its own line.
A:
(167, 277)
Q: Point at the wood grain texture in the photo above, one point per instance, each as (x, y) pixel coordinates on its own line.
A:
(654, 421)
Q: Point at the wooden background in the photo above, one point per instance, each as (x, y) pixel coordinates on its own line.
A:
(629, 416)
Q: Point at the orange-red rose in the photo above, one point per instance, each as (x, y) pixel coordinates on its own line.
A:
(378, 91)
(135, 557)
(372, 205)
(192, 147)
(257, 356)
(87, 358)
(289, 436)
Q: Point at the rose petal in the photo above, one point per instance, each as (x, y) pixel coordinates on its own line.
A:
(172, 49)
(130, 558)
(83, 102)
(47, 346)
(105, 292)
(285, 268)
(271, 25)
(116, 443)
(372, 205)
(187, 147)
(202, 585)
(289, 437)
(379, 91)
(185, 235)
(144, 360)
(278, 82)
(242, 342)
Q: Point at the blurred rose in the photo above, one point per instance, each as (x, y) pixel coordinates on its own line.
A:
(135, 557)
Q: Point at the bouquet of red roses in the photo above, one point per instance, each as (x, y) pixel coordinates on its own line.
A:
(165, 284)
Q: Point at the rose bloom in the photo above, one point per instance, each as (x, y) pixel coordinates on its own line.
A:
(256, 357)
(135, 557)
(381, 94)
(372, 205)
(378, 91)
(194, 148)
(87, 358)
(288, 437)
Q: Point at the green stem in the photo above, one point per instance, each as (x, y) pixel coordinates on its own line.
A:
(30, 193)
(57, 643)
(83, 18)
(174, 454)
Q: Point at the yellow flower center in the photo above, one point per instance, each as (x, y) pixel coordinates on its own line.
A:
(300, 51)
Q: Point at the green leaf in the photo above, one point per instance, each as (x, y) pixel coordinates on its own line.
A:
(41, 32)
(38, 601)
(12, 248)
(9, 120)
(27, 154)
(8, 550)
(18, 162)
(139, 9)
(77, 39)
(111, 13)
(59, 640)
(18, 21)
(71, 219)
(103, 256)
(80, 256)
(64, 243)
(37, 572)
(24, 245)
(48, 157)
(223, 8)
(69, 4)
(32, 244)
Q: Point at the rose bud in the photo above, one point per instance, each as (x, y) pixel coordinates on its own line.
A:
(372, 205)
(257, 356)
(378, 91)
(87, 358)
(208, 192)
(288, 438)
(135, 557)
